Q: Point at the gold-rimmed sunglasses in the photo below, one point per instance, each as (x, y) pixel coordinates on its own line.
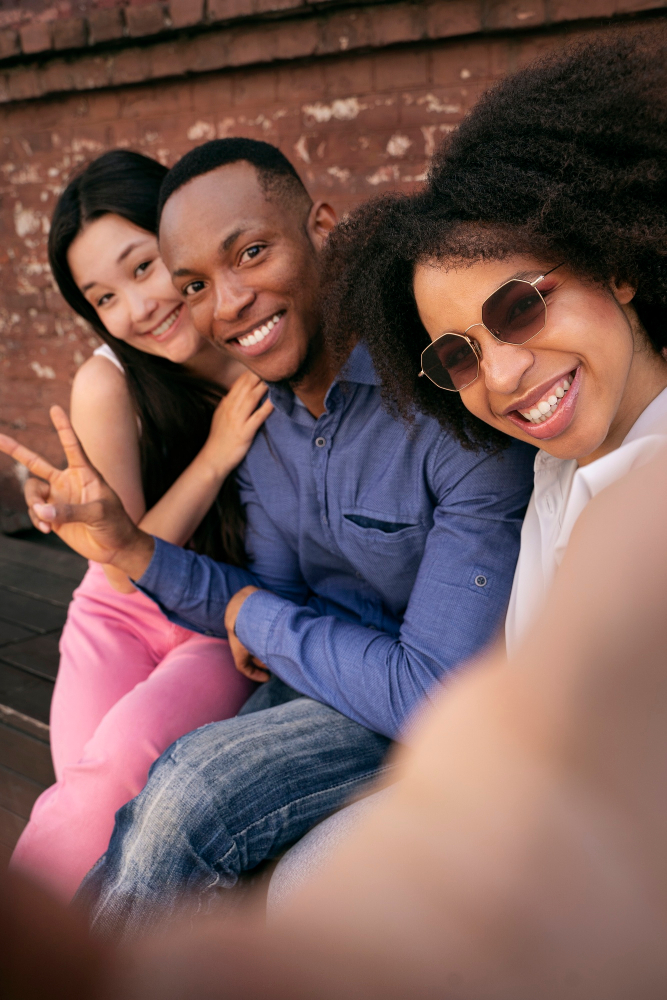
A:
(513, 314)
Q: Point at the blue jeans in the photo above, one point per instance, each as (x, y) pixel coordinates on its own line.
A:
(224, 798)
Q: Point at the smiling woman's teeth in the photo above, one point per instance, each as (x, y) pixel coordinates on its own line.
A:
(166, 323)
(258, 335)
(544, 409)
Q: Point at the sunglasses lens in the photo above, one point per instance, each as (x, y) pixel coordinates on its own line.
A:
(450, 362)
(515, 313)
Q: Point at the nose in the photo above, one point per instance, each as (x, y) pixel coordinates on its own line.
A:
(141, 306)
(502, 366)
(232, 298)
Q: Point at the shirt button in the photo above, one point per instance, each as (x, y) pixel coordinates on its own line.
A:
(480, 581)
(320, 442)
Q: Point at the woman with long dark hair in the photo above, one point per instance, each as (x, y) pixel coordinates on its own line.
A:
(528, 283)
(166, 418)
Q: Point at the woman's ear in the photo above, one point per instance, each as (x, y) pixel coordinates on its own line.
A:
(623, 291)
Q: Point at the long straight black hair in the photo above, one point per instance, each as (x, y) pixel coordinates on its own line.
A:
(174, 406)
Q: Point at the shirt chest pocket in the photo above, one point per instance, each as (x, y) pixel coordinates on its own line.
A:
(384, 547)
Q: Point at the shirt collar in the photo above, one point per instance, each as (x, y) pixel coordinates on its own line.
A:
(358, 369)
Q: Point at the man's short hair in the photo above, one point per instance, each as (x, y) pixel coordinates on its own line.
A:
(277, 176)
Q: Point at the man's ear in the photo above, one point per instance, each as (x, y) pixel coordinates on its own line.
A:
(623, 291)
(321, 220)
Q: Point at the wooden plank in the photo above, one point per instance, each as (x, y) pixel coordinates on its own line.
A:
(11, 827)
(35, 614)
(38, 655)
(18, 720)
(5, 855)
(25, 692)
(11, 632)
(38, 583)
(39, 554)
(18, 793)
(26, 755)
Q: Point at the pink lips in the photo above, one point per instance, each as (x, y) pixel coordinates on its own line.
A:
(558, 421)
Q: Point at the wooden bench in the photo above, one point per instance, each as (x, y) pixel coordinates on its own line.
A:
(37, 577)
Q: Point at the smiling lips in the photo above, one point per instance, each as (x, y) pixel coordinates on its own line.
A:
(553, 413)
(260, 333)
(167, 322)
(547, 406)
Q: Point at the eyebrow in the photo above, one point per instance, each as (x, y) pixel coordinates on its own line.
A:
(126, 252)
(228, 242)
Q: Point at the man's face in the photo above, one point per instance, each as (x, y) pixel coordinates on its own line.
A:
(246, 266)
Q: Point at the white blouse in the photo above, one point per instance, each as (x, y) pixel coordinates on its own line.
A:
(561, 492)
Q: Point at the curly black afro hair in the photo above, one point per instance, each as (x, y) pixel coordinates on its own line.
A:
(565, 160)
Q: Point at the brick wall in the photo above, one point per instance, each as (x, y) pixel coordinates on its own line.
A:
(357, 118)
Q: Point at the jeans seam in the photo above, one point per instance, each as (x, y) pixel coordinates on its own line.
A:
(303, 798)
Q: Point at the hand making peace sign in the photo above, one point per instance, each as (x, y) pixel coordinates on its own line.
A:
(79, 505)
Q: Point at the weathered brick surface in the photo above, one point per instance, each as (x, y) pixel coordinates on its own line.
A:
(355, 124)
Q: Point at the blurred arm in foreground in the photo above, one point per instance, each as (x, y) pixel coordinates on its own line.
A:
(522, 853)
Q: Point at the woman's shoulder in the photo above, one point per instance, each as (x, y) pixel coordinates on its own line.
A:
(100, 380)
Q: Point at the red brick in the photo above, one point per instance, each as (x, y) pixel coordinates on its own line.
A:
(303, 39)
(36, 37)
(145, 20)
(207, 52)
(212, 92)
(455, 17)
(22, 84)
(148, 101)
(343, 32)
(168, 59)
(254, 88)
(69, 33)
(90, 73)
(571, 10)
(105, 25)
(9, 44)
(265, 6)
(301, 83)
(353, 75)
(129, 66)
(247, 46)
(184, 13)
(226, 10)
(500, 14)
(457, 62)
(390, 25)
(395, 70)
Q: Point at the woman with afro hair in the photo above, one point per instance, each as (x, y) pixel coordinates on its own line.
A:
(528, 283)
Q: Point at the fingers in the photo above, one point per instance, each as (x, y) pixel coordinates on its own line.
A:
(260, 415)
(74, 453)
(53, 515)
(37, 491)
(32, 461)
(249, 669)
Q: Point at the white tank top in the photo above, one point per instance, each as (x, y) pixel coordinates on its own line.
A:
(104, 351)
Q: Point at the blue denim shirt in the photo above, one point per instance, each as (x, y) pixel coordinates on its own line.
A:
(386, 552)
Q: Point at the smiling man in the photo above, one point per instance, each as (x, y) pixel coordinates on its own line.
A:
(379, 556)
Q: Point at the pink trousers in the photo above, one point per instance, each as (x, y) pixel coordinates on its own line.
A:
(129, 684)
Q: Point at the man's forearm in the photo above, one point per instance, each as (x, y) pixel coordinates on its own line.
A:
(192, 590)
